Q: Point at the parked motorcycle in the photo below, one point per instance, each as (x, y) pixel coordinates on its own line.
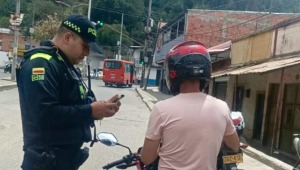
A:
(7, 68)
(226, 160)
(297, 147)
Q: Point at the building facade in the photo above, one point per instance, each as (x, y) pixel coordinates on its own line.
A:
(211, 27)
(263, 82)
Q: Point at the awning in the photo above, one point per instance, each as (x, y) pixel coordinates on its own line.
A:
(160, 55)
(220, 48)
(264, 67)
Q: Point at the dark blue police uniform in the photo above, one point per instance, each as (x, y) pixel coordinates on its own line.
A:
(55, 116)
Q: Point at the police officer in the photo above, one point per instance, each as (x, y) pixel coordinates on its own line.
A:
(56, 118)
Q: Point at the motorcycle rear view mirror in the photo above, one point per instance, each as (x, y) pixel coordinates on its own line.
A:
(107, 139)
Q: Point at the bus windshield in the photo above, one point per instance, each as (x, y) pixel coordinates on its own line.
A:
(113, 65)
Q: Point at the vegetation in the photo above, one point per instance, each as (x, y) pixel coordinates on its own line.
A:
(46, 15)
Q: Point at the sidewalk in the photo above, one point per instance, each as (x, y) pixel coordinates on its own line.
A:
(152, 95)
(6, 84)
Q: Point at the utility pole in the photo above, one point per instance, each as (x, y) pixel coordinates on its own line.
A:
(89, 10)
(15, 49)
(31, 30)
(86, 61)
(120, 44)
(271, 6)
(151, 58)
(147, 31)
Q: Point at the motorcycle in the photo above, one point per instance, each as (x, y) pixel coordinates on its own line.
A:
(7, 68)
(297, 147)
(226, 160)
(132, 159)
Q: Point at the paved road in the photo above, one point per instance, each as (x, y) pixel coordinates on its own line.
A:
(128, 126)
(3, 75)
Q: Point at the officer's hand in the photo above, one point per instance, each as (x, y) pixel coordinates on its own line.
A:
(112, 99)
(101, 109)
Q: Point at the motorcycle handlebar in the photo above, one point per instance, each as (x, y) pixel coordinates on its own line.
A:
(115, 163)
(126, 159)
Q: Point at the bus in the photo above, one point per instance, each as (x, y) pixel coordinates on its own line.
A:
(118, 72)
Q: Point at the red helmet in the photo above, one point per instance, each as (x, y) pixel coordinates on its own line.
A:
(186, 61)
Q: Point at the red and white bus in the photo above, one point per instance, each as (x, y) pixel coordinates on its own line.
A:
(118, 72)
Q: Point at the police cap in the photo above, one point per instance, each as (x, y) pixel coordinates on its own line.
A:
(82, 26)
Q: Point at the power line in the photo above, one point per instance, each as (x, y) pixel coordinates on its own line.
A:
(216, 7)
(123, 34)
(120, 12)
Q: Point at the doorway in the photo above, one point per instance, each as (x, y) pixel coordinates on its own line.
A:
(239, 95)
(158, 77)
(290, 117)
(259, 110)
(270, 114)
(220, 89)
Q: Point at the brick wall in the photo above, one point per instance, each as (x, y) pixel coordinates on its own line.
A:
(215, 27)
(8, 39)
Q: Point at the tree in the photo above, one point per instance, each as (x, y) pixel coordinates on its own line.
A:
(7, 7)
(38, 10)
(4, 22)
(47, 28)
(135, 12)
(109, 35)
(110, 12)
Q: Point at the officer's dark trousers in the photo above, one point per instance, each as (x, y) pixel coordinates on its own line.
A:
(65, 159)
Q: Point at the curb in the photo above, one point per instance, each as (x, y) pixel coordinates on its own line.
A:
(149, 100)
(266, 159)
(7, 85)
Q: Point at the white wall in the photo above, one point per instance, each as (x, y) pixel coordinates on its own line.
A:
(152, 73)
(95, 62)
(136, 55)
(3, 58)
(256, 83)
(288, 39)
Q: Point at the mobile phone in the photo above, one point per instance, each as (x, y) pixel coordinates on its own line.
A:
(119, 98)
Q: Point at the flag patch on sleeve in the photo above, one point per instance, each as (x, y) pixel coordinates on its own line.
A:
(38, 71)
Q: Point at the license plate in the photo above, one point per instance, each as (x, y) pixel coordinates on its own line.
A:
(229, 159)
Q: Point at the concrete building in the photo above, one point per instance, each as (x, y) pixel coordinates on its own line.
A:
(212, 27)
(263, 83)
(6, 44)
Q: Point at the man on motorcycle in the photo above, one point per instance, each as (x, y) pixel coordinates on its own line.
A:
(187, 130)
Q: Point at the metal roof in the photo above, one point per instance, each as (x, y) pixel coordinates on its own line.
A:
(264, 67)
(220, 48)
(160, 55)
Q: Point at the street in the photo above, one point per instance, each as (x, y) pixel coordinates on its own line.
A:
(4, 75)
(128, 126)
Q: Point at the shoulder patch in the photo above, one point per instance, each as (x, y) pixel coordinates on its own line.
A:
(39, 70)
(41, 55)
(38, 74)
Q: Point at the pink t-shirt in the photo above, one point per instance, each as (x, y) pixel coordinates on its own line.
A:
(191, 127)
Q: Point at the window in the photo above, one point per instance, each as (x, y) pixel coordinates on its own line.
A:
(113, 65)
(27, 47)
(127, 68)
